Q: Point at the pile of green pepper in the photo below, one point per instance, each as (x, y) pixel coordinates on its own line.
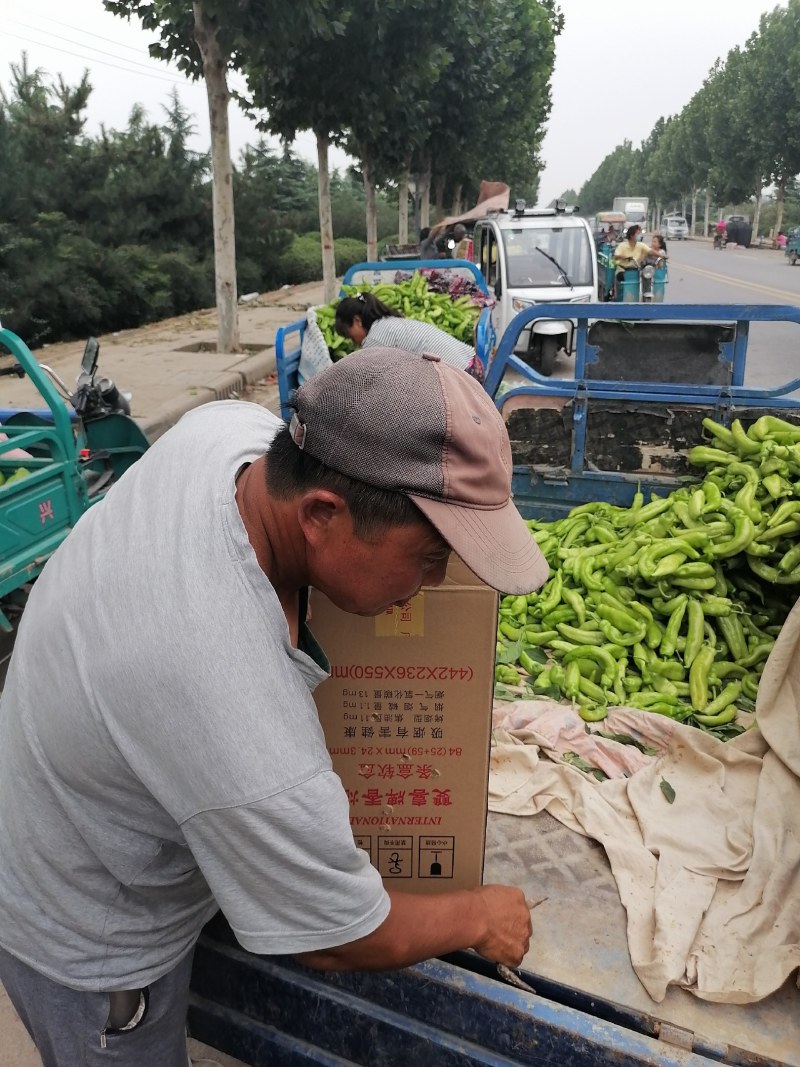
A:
(671, 606)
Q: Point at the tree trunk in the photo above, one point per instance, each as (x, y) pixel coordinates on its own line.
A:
(707, 213)
(440, 184)
(325, 219)
(780, 200)
(402, 215)
(694, 210)
(371, 205)
(457, 199)
(214, 71)
(424, 193)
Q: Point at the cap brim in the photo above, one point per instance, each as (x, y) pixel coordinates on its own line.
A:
(495, 544)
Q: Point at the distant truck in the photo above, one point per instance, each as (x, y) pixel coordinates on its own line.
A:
(634, 209)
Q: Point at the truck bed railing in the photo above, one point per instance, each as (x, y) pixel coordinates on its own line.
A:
(657, 363)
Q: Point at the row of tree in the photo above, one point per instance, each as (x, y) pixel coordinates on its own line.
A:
(739, 133)
(108, 232)
(448, 92)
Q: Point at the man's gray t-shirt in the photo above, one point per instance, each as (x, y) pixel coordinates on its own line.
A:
(160, 751)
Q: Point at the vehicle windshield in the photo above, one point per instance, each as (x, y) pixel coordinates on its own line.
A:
(567, 251)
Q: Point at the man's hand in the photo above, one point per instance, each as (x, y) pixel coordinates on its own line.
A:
(509, 927)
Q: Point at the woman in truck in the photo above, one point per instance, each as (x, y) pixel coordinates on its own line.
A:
(369, 323)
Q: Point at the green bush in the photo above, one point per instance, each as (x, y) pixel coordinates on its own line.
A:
(302, 260)
(191, 284)
(348, 251)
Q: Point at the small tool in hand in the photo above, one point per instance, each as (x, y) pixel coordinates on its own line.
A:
(506, 972)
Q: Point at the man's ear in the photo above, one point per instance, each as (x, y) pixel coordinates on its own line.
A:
(322, 514)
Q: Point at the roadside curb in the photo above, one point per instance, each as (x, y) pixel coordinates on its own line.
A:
(223, 386)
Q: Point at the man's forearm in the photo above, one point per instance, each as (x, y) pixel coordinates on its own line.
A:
(495, 920)
(417, 928)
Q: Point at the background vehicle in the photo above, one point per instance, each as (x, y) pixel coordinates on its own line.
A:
(530, 256)
(792, 249)
(634, 208)
(675, 227)
(739, 230)
(74, 455)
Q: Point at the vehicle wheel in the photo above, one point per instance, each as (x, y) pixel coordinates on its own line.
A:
(547, 359)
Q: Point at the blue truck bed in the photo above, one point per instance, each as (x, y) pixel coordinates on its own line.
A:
(645, 376)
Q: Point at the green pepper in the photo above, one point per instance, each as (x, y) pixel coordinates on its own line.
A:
(530, 665)
(601, 656)
(520, 605)
(714, 714)
(713, 495)
(715, 605)
(552, 597)
(593, 714)
(703, 456)
(725, 669)
(560, 614)
(632, 683)
(757, 654)
(580, 636)
(589, 689)
(741, 442)
(654, 635)
(513, 633)
(542, 637)
(694, 631)
(698, 677)
(620, 637)
(507, 675)
(791, 559)
(743, 533)
(773, 483)
(700, 584)
(575, 601)
(733, 634)
(723, 436)
(572, 676)
(673, 627)
(750, 686)
(783, 512)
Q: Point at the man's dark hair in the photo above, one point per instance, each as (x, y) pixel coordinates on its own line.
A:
(291, 471)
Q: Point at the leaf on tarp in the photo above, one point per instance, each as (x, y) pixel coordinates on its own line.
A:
(668, 791)
(574, 760)
(626, 739)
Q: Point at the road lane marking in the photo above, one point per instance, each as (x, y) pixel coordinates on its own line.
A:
(787, 297)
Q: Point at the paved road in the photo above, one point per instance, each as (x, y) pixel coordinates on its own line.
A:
(700, 275)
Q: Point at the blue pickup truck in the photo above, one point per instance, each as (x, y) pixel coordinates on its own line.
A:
(645, 377)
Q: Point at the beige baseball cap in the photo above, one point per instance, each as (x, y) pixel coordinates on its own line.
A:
(413, 424)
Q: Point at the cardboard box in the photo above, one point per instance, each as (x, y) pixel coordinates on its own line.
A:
(407, 715)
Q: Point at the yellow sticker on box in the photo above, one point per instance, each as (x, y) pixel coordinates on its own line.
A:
(405, 621)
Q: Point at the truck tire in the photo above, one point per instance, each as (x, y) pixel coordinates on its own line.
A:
(547, 356)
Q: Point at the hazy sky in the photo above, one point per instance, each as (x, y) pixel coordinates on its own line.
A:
(671, 46)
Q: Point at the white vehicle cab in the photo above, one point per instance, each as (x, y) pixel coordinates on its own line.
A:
(675, 227)
(537, 256)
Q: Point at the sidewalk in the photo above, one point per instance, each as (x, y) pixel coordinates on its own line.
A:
(169, 369)
(172, 366)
